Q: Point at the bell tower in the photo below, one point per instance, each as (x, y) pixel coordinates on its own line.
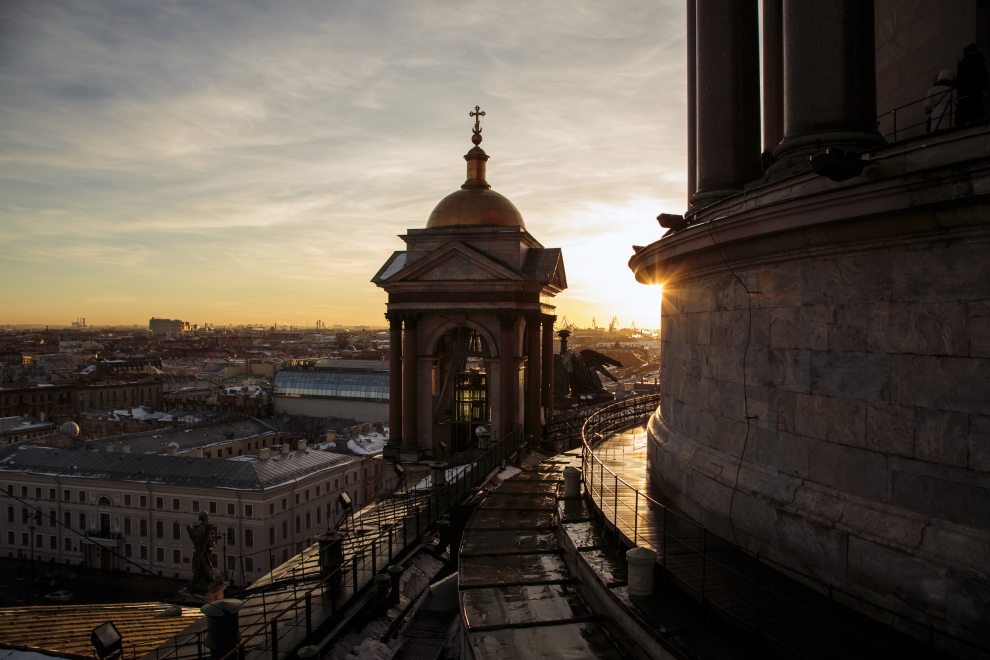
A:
(471, 321)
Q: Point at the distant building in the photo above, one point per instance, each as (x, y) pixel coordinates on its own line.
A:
(351, 389)
(166, 326)
(266, 508)
(23, 429)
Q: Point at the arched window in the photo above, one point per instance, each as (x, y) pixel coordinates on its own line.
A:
(103, 501)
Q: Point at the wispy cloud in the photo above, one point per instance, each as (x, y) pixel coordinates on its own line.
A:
(248, 161)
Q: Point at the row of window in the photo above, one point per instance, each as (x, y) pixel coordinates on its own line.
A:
(128, 501)
(128, 550)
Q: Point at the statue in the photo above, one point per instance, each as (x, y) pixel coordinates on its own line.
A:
(204, 538)
(576, 376)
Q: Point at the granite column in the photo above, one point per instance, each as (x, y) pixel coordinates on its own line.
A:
(507, 372)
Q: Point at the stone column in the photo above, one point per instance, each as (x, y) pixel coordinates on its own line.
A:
(394, 383)
(830, 80)
(507, 371)
(692, 95)
(534, 383)
(547, 355)
(409, 398)
(727, 47)
(773, 77)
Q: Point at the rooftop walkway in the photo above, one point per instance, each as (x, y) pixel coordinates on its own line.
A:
(787, 614)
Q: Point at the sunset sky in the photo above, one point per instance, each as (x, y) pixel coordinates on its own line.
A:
(235, 162)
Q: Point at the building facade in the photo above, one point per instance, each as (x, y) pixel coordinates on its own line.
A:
(128, 512)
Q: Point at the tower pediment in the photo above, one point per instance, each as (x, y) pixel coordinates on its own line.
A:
(456, 261)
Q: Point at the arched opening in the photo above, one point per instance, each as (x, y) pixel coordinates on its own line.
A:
(104, 502)
(460, 388)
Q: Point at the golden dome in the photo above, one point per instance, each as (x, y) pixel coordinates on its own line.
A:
(475, 203)
(475, 206)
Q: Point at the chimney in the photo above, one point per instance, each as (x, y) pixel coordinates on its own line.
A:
(172, 449)
(285, 448)
(301, 446)
(331, 436)
(110, 448)
(265, 453)
(126, 448)
(199, 453)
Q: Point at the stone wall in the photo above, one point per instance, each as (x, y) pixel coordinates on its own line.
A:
(831, 409)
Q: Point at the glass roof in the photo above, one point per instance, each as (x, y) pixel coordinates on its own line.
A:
(336, 384)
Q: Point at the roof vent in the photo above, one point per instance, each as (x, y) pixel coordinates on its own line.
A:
(301, 445)
(265, 453)
(172, 448)
(286, 449)
(126, 448)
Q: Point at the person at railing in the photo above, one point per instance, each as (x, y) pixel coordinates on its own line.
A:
(971, 85)
(938, 103)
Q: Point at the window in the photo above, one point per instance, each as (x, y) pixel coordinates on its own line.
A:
(82, 522)
(176, 556)
(159, 503)
(127, 526)
(231, 562)
(51, 494)
(230, 536)
(53, 543)
(307, 520)
(175, 504)
(143, 553)
(271, 536)
(159, 529)
(67, 519)
(213, 507)
(297, 498)
(160, 555)
(10, 538)
(298, 524)
(143, 501)
(66, 495)
(25, 539)
(285, 529)
(248, 510)
(271, 509)
(52, 515)
(67, 544)
(143, 527)
(355, 476)
(249, 564)
(127, 550)
(25, 517)
(317, 515)
(195, 504)
(285, 504)
(24, 491)
(230, 509)
(317, 491)
(336, 484)
(82, 496)
(127, 500)
(328, 488)
(176, 531)
(10, 514)
(248, 538)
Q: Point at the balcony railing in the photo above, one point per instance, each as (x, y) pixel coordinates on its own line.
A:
(791, 611)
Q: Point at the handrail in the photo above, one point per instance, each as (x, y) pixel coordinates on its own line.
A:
(947, 110)
(604, 492)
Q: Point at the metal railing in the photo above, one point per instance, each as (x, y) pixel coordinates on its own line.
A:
(931, 122)
(783, 608)
(273, 624)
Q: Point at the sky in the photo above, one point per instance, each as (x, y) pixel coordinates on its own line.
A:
(255, 162)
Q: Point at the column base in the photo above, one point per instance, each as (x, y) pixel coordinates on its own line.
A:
(411, 454)
(791, 156)
(391, 451)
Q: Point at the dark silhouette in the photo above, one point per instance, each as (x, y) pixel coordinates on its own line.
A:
(971, 85)
(204, 538)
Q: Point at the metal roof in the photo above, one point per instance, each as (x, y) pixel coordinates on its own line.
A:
(156, 442)
(250, 475)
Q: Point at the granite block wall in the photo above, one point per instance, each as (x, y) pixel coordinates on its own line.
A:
(832, 410)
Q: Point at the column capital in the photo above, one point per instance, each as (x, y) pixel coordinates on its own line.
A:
(394, 320)
(549, 318)
(506, 319)
(412, 319)
(532, 316)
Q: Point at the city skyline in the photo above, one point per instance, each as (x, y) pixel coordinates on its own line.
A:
(229, 165)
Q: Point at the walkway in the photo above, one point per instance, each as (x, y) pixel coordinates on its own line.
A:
(787, 616)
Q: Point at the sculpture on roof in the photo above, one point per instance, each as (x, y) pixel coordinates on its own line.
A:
(204, 538)
(576, 375)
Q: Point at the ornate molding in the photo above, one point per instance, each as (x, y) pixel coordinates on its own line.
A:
(412, 319)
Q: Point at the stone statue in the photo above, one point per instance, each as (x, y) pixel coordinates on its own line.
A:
(204, 538)
(576, 375)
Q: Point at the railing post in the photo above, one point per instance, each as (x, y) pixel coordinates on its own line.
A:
(275, 638)
(636, 521)
(354, 564)
(756, 600)
(828, 631)
(374, 557)
(615, 506)
(704, 562)
(390, 546)
(309, 615)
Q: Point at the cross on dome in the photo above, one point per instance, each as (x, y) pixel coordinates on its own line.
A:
(478, 113)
